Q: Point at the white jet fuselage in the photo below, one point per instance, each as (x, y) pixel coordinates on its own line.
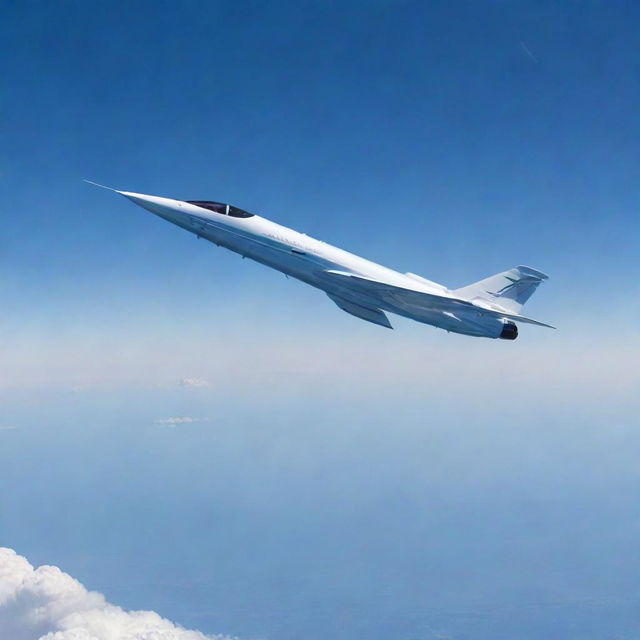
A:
(360, 287)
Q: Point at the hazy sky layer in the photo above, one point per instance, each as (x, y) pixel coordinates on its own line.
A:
(191, 433)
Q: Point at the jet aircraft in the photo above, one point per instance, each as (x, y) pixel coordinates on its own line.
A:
(489, 308)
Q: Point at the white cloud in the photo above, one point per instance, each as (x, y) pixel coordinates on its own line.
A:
(194, 382)
(7, 427)
(48, 604)
(172, 422)
(80, 388)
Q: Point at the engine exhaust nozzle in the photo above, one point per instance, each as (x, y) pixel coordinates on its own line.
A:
(509, 331)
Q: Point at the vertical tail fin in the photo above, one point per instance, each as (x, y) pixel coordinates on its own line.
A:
(508, 290)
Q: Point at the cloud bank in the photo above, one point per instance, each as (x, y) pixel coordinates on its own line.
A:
(573, 364)
(48, 604)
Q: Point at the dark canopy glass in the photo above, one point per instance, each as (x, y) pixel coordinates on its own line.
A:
(220, 207)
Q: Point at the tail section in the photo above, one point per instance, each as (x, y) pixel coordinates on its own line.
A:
(508, 290)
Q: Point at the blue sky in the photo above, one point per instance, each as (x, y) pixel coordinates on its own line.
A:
(336, 480)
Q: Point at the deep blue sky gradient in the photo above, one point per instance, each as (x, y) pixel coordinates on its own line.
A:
(422, 135)
(344, 481)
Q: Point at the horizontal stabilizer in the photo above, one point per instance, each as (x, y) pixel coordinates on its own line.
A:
(517, 318)
(370, 315)
(387, 292)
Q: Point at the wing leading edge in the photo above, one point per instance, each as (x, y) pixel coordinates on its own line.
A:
(365, 313)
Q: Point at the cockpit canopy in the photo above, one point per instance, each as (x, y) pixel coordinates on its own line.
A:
(220, 207)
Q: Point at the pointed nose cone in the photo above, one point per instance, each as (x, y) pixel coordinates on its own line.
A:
(155, 204)
(167, 208)
(152, 203)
